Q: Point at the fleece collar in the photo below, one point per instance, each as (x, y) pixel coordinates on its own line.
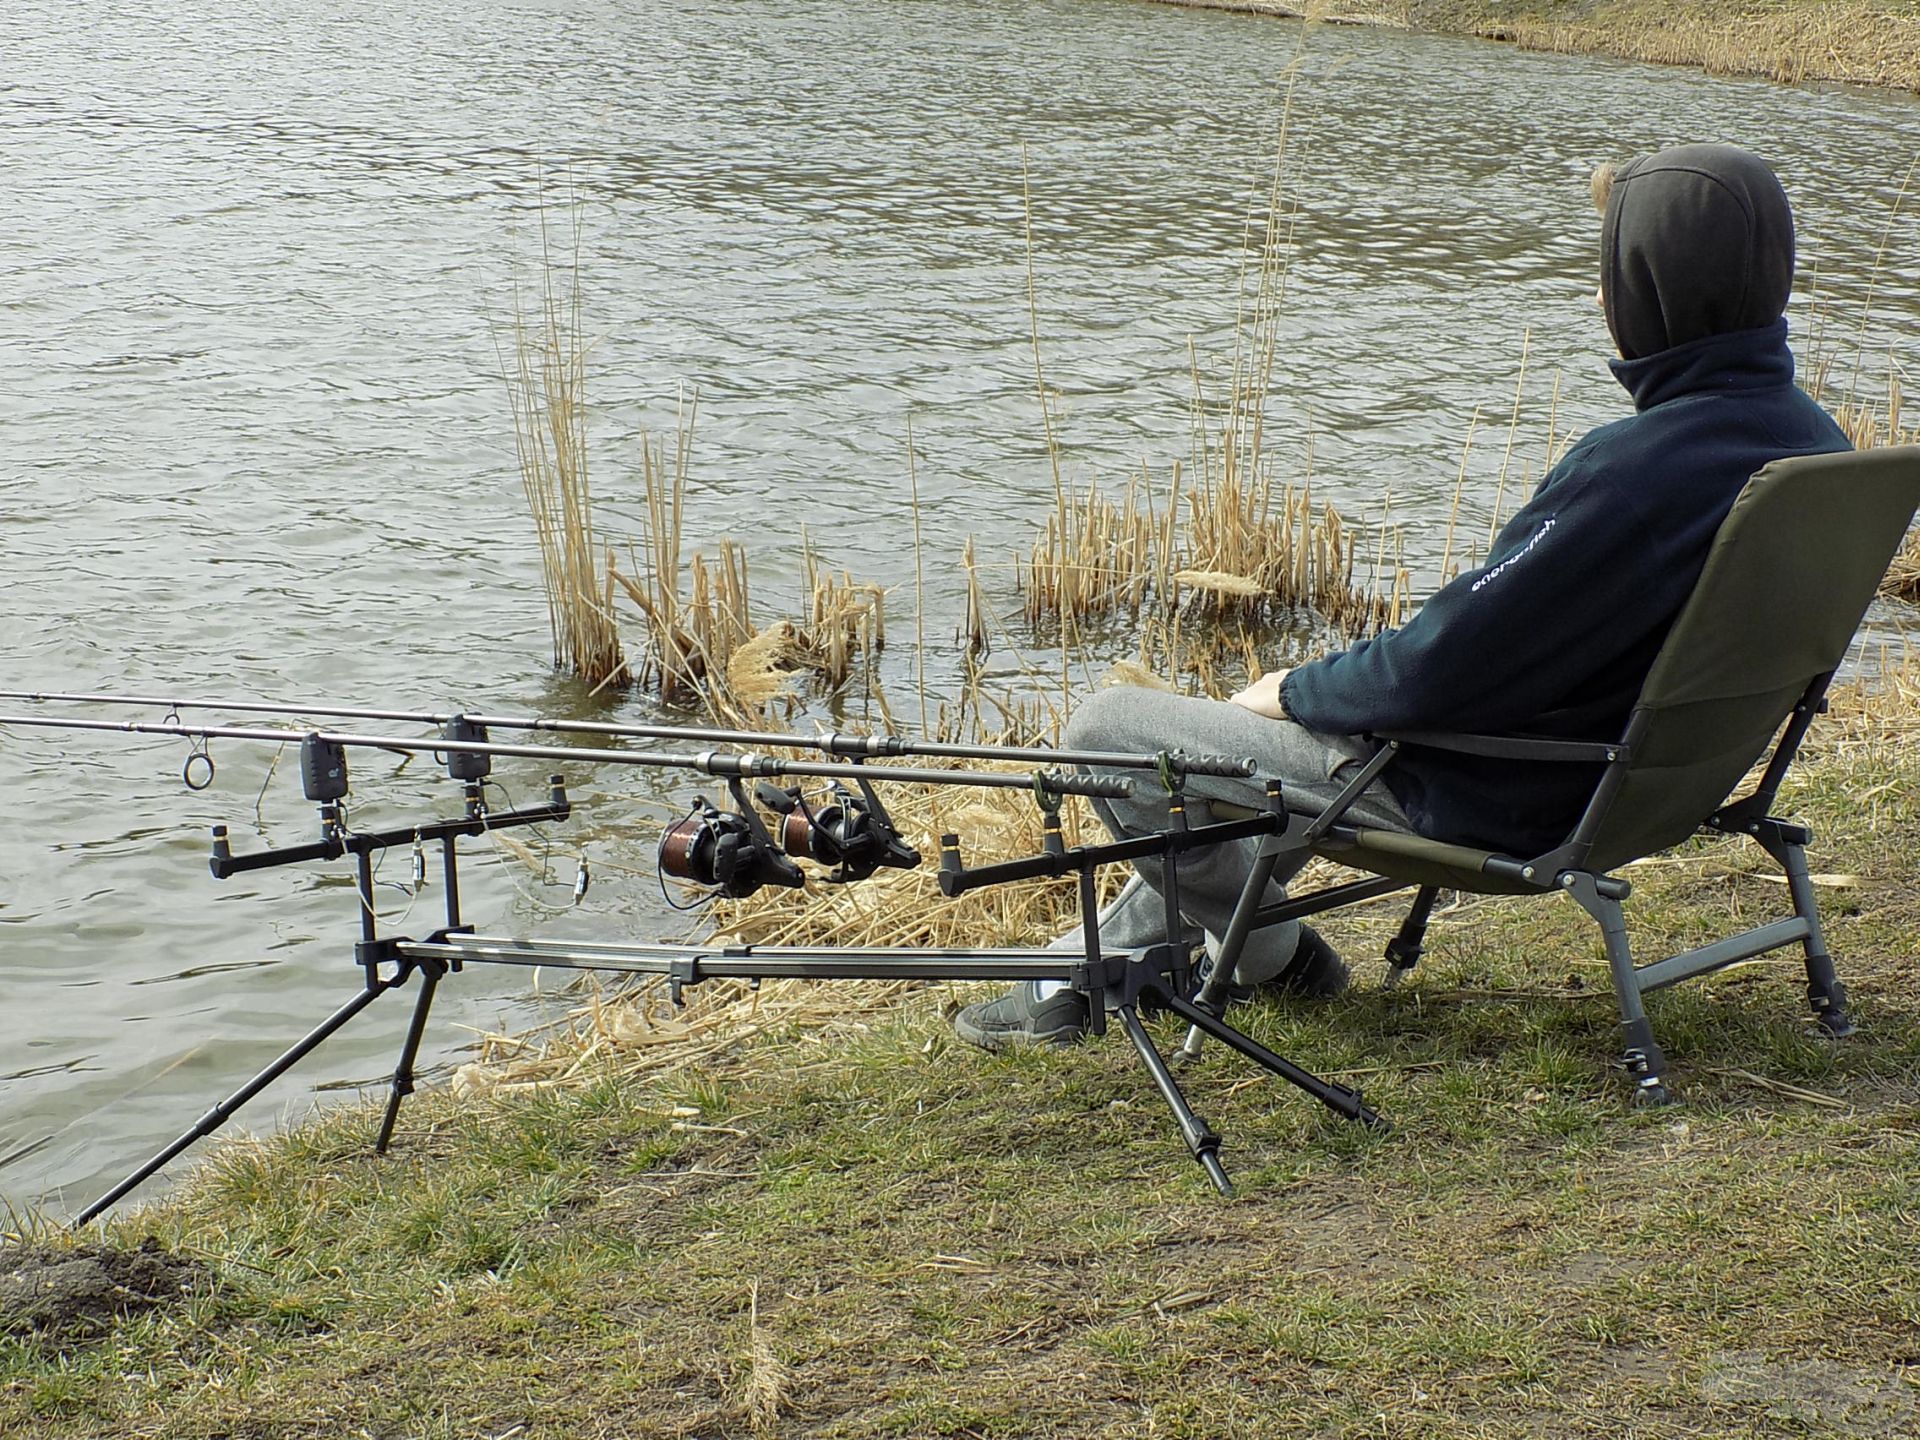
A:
(1739, 360)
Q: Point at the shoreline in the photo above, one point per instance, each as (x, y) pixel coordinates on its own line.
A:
(1856, 42)
(859, 1228)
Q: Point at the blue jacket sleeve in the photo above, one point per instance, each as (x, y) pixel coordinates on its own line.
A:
(1564, 590)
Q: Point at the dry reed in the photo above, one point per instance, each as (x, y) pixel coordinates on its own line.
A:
(546, 386)
(675, 664)
(1093, 556)
(846, 621)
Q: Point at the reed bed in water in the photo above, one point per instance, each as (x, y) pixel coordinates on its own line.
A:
(1235, 545)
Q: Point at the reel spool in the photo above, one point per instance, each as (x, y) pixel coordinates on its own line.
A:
(724, 850)
(852, 833)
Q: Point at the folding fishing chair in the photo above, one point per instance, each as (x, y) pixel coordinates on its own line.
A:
(1787, 581)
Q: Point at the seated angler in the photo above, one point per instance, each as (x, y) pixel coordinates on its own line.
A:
(1552, 636)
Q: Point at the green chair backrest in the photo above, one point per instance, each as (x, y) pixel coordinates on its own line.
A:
(1789, 578)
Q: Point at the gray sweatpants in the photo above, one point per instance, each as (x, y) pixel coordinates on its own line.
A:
(1313, 767)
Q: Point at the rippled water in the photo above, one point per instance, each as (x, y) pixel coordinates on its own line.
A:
(255, 266)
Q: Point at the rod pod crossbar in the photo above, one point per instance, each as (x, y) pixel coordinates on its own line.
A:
(1174, 762)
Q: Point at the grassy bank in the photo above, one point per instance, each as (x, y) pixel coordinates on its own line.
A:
(1868, 42)
(869, 1230)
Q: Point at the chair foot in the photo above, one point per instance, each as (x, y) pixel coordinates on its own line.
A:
(1646, 1066)
(1651, 1094)
(1835, 1025)
(1404, 949)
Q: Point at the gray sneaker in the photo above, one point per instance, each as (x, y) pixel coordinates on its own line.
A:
(1019, 1018)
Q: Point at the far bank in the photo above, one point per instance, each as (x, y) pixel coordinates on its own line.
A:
(1864, 42)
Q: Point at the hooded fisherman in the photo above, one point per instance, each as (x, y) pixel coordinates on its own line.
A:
(1552, 636)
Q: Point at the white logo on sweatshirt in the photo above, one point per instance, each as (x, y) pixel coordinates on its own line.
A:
(1513, 559)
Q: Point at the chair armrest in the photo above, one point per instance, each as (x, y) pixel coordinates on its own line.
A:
(1512, 747)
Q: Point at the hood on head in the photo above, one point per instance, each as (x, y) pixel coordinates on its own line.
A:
(1697, 241)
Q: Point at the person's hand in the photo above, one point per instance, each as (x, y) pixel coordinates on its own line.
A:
(1262, 697)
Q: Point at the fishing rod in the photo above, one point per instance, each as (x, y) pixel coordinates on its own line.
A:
(726, 851)
(1166, 762)
(709, 762)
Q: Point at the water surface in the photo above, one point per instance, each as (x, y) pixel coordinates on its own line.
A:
(253, 279)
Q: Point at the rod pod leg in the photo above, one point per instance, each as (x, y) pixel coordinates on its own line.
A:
(430, 973)
(222, 1112)
(1200, 1138)
(1343, 1100)
(1217, 991)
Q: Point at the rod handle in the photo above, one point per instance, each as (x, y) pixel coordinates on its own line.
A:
(1099, 787)
(1239, 766)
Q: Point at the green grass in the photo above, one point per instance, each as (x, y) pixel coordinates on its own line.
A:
(945, 1243)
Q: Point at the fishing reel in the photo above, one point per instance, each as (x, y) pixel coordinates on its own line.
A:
(728, 851)
(852, 833)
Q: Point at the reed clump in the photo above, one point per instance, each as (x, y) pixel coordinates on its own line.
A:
(546, 386)
(702, 644)
(1237, 548)
(1094, 555)
(846, 621)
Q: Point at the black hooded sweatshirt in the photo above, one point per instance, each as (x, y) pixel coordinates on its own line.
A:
(1555, 633)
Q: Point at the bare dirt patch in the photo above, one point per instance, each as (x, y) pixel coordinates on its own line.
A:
(80, 1291)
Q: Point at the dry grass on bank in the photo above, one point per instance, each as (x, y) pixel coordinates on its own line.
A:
(1863, 42)
(1870, 42)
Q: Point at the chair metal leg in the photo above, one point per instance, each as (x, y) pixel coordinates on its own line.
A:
(1644, 1061)
(1403, 951)
(1824, 991)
